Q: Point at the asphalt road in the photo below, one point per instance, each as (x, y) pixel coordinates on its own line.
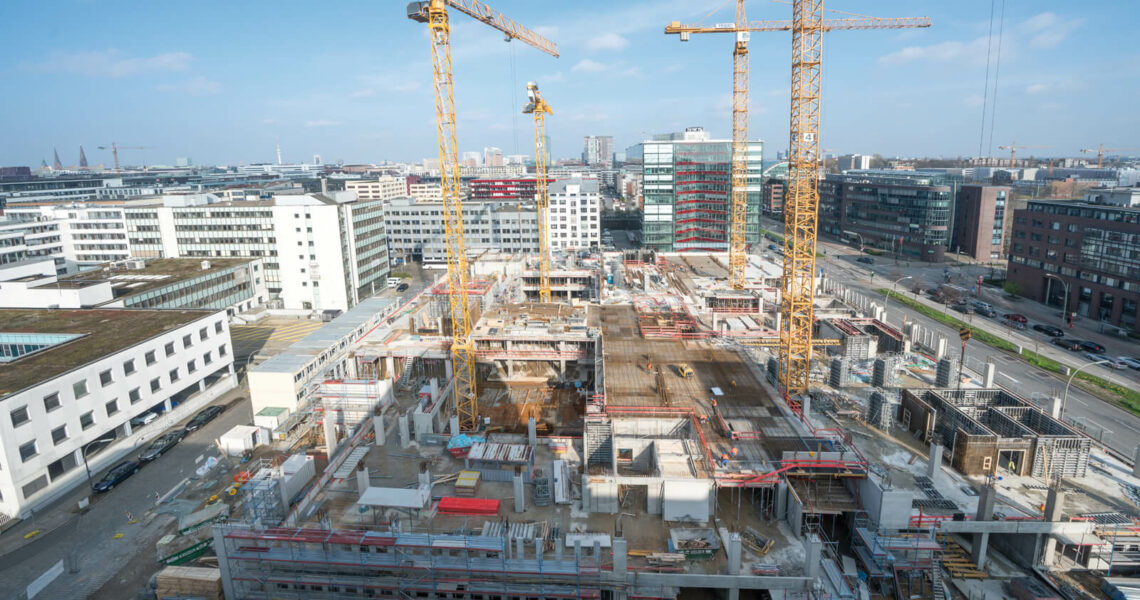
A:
(87, 542)
(1115, 427)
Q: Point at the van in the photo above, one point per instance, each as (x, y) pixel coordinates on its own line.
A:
(984, 308)
(394, 281)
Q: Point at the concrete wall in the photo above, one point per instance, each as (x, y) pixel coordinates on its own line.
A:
(890, 508)
(686, 500)
(795, 512)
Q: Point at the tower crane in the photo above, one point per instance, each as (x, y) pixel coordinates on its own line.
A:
(801, 204)
(1013, 147)
(435, 14)
(1100, 150)
(536, 105)
(115, 152)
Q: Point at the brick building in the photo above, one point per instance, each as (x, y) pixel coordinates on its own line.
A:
(979, 221)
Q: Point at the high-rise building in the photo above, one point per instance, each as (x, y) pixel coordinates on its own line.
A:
(979, 221)
(1079, 255)
(471, 159)
(598, 151)
(687, 184)
(320, 251)
(492, 157)
(575, 211)
(850, 162)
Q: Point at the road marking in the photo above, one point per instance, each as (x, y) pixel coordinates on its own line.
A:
(117, 536)
(32, 534)
(1009, 378)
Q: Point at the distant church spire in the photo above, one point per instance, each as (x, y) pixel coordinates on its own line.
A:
(82, 158)
(58, 166)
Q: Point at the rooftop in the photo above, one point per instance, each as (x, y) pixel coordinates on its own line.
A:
(156, 273)
(103, 331)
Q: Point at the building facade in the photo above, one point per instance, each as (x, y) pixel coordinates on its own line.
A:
(772, 203)
(687, 193)
(575, 214)
(979, 221)
(516, 189)
(415, 228)
(384, 188)
(64, 405)
(850, 162)
(77, 236)
(1080, 256)
(598, 151)
(320, 252)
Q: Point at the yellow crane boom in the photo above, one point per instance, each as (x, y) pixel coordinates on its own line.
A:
(435, 14)
(115, 152)
(1101, 150)
(536, 105)
(1013, 146)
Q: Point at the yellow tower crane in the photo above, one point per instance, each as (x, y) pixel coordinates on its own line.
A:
(435, 14)
(1100, 150)
(1013, 147)
(115, 152)
(801, 203)
(536, 105)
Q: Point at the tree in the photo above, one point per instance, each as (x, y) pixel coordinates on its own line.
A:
(1012, 288)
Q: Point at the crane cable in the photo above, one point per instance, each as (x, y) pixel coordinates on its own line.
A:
(997, 71)
(513, 109)
(986, 89)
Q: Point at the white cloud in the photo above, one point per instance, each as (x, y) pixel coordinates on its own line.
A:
(362, 93)
(111, 63)
(322, 123)
(409, 86)
(952, 51)
(198, 86)
(1047, 30)
(607, 41)
(973, 100)
(588, 66)
(555, 78)
(1036, 88)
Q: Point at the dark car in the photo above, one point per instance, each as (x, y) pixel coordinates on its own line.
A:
(1016, 318)
(204, 416)
(1049, 330)
(1070, 345)
(116, 475)
(1093, 347)
(963, 308)
(774, 247)
(160, 445)
(403, 287)
(867, 260)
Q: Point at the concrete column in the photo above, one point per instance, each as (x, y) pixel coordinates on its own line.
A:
(447, 367)
(779, 316)
(434, 389)
(940, 347)
(424, 476)
(1054, 505)
(532, 431)
(781, 501)
(361, 479)
(988, 375)
(558, 543)
(1136, 463)
(805, 404)
(734, 553)
(981, 544)
(167, 405)
(906, 347)
(127, 433)
(520, 492)
(1055, 407)
(453, 423)
(986, 497)
(619, 556)
(538, 550)
(813, 548)
(330, 435)
(380, 435)
(510, 368)
(231, 369)
(201, 385)
(934, 466)
(390, 367)
(520, 548)
(402, 429)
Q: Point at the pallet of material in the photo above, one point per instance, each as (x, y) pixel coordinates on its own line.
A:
(467, 484)
(189, 582)
(472, 507)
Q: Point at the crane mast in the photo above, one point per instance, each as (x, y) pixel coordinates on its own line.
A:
(538, 107)
(434, 14)
(737, 258)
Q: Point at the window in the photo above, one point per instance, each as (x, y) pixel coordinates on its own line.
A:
(28, 450)
(150, 357)
(20, 416)
(191, 367)
(170, 349)
(173, 375)
(134, 396)
(51, 402)
(987, 463)
(222, 350)
(186, 341)
(59, 434)
(155, 385)
(129, 367)
(207, 358)
(218, 327)
(203, 334)
(105, 378)
(80, 388)
(112, 407)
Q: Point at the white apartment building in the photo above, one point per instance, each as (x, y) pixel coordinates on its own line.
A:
(426, 192)
(384, 188)
(77, 236)
(59, 408)
(320, 251)
(415, 228)
(575, 214)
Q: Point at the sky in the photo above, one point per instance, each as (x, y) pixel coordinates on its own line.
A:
(222, 82)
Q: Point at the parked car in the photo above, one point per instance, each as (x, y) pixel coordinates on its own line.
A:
(1016, 318)
(964, 309)
(118, 474)
(143, 419)
(1131, 361)
(1049, 330)
(773, 247)
(1067, 344)
(403, 287)
(204, 416)
(1093, 347)
(1113, 363)
(160, 445)
(867, 260)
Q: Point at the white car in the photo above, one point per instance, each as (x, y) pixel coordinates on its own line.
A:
(1130, 362)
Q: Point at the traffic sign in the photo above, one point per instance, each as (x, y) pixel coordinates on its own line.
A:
(965, 333)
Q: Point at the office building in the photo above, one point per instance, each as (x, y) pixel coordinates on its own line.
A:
(427, 192)
(415, 228)
(575, 212)
(598, 151)
(849, 162)
(72, 381)
(320, 252)
(979, 222)
(772, 203)
(905, 215)
(500, 189)
(384, 188)
(687, 183)
(77, 236)
(493, 157)
(1081, 256)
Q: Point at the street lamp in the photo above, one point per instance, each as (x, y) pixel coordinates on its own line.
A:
(887, 295)
(1065, 302)
(84, 454)
(1065, 398)
(856, 234)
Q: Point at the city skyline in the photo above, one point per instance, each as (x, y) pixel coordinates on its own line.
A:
(212, 90)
